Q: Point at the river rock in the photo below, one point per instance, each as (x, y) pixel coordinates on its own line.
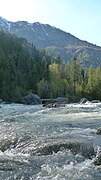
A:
(83, 100)
(97, 160)
(54, 103)
(98, 131)
(61, 100)
(82, 148)
(6, 144)
(32, 99)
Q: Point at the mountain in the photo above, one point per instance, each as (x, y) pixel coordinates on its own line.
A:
(55, 41)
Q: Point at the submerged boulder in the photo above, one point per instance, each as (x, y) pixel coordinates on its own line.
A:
(6, 144)
(82, 148)
(32, 99)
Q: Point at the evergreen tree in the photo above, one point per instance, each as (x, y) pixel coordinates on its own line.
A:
(75, 74)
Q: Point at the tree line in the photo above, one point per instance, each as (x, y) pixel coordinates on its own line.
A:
(23, 68)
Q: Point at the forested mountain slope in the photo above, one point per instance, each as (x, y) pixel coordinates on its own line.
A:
(21, 67)
(25, 69)
(55, 41)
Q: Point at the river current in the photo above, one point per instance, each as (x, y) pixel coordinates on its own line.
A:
(38, 143)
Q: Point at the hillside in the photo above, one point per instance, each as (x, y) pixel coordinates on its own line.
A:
(55, 41)
(25, 69)
(21, 67)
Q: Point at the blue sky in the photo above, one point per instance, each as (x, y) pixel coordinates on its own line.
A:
(81, 18)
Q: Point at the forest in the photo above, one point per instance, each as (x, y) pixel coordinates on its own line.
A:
(25, 69)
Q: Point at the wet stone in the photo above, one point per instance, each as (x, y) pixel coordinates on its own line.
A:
(98, 131)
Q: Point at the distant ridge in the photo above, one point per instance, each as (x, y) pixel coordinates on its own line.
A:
(55, 41)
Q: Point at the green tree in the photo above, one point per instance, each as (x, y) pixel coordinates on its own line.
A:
(75, 74)
(43, 89)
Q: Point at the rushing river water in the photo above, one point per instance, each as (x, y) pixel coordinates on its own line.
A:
(38, 143)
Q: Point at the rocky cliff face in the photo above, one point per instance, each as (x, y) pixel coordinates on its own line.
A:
(55, 41)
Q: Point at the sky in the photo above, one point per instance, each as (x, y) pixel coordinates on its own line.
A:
(81, 18)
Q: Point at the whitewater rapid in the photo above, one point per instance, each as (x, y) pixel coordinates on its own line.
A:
(38, 143)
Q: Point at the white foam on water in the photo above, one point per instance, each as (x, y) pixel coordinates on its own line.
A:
(69, 171)
(12, 155)
(70, 122)
(85, 105)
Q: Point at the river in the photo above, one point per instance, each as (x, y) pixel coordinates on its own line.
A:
(38, 143)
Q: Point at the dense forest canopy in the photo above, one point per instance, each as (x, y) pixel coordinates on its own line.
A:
(23, 68)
